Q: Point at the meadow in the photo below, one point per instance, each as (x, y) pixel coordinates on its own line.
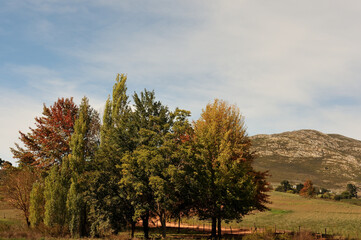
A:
(292, 212)
(288, 212)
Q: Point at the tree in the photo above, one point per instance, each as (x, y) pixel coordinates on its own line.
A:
(18, 184)
(48, 142)
(55, 194)
(148, 169)
(37, 202)
(109, 209)
(284, 187)
(352, 189)
(231, 187)
(308, 190)
(83, 145)
(299, 187)
(1, 162)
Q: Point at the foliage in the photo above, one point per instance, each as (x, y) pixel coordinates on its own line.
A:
(55, 193)
(109, 209)
(48, 143)
(84, 143)
(284, 187)
(352, 189)
(231, 188)
(153, 173)
(37, 203)
(308, 190)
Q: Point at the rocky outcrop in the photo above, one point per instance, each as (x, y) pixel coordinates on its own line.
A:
(329, 160)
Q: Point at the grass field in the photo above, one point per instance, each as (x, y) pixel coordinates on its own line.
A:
(290, 211)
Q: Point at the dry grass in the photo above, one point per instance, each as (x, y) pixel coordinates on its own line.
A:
(292, 212)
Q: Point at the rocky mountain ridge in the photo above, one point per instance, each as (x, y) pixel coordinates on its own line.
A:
(329, 160)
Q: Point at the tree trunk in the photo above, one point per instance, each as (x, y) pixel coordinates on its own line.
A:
(145, 219)
(164, 226)
(27, 221)
(83, 222)
(219, 227)
(179, 222)
(214, 227)
(133, 228)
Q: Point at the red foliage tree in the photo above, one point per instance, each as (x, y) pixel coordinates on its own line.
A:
(308, 190)
(48, 142)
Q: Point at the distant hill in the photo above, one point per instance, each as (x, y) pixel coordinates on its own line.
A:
(329, 160)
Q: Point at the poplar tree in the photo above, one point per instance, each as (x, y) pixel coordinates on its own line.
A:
(55, 194)
(37, 202)
(112, 211)
(83, 145)
(231, 187)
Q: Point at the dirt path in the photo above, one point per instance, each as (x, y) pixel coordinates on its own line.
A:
(204, 228)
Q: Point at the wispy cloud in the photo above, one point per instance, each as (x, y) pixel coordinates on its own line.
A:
(287, 65)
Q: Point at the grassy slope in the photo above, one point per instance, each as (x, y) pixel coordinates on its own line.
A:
(288, 211)
(9, 215)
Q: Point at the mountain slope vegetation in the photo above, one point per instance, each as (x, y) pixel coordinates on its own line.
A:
(329, 160)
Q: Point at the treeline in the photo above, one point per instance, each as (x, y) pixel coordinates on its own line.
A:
(142, 162)
(308, 190)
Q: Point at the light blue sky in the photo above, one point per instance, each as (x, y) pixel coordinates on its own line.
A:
(287, 64)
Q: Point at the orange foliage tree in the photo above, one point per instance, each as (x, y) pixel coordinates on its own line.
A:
(308, 190)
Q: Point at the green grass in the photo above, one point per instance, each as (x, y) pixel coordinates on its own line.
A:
(290, 211)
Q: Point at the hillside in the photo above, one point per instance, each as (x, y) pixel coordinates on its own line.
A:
(329, 160)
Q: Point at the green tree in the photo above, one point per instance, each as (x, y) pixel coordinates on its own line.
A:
(142, 167)
(284, 187)
(37, 203)
(83, 145)
(155, 172)
(231, 187)
(55, 194)
(352, 189)
(299, 187)
(109, 209)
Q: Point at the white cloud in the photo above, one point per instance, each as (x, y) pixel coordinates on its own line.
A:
(285, 64)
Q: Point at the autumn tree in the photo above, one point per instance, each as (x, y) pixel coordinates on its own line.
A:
(17, 187)
(48, 142)
(308, 190)
(231, 188)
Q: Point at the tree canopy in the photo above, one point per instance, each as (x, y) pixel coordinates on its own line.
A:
(231, 187)
(48, 142)
(144, 162)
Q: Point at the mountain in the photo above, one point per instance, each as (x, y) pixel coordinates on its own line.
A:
(329, 160)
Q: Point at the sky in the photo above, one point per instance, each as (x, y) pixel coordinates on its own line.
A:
(286, 64)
